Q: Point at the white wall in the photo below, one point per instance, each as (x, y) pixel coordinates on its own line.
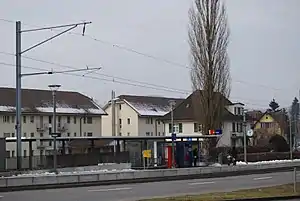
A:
(30, 128)
(123, 112)
(225, 138)
(153, 128)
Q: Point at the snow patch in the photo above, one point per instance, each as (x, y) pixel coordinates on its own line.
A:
(72, 173)
(150, 109)
(267, 162)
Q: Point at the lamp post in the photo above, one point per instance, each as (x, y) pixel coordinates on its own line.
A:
(245, 135)
(54, 88)
(172, 104)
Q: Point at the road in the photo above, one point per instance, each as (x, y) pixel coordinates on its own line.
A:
(133, 192)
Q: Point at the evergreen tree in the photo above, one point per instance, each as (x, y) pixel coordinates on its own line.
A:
(294, 117)
(274, 105)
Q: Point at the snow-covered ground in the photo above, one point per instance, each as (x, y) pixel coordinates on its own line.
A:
(71, 173)
(267, 162)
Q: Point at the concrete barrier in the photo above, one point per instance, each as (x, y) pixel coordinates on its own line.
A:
(55, 181)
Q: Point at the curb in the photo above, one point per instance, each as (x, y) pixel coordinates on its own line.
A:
(144, 180)
(292, 197)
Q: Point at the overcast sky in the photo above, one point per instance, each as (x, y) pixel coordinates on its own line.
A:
(264, 46)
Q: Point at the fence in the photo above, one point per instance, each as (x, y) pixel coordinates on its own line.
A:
(68, 160)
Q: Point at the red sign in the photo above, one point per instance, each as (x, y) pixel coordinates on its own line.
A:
(211, 132)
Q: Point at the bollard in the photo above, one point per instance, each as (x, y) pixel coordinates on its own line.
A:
(295, 180)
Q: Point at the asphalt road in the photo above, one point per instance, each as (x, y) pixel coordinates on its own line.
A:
(133, 192)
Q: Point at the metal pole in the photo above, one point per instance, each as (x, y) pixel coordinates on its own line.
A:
(291, 147)
(18, 95)
(295, 180)
(245, 136)
(173, 147)
(54, 131)
(113, 118)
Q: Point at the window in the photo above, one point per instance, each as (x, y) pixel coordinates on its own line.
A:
(120, 106)
(68, 119)
(75, 134)
(233, 127)
(128, 120)
(24, 119)
(178, 128)
(120, 123)
(50, 120)
(158, 133)
(6, 135)
(158, 122)
(50, 143)
(32, 152)
(59, 119)
(239, 127)
(151, 133)
(84, 134)
(75, 119)
(31, 119)
(8, 154)
(25, 135)
(84, 120)
(147, 133)
(197, 127)
(239, 111)
(31, 134)
(12, 134)
(170, 128)
(120, 134)
(13, 119)
(68, 134)
(12, 153)
(128, 134)
(89, 120)
(149, 121)
(266, 125)
(41, 134)
(25, 153)
(6, 119)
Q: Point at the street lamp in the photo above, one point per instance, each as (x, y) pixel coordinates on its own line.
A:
(172, 104)
(54, 88)
(245, 135)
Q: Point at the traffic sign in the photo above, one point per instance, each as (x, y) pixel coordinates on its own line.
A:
(147, 153)
(218, 132)
(173, 136)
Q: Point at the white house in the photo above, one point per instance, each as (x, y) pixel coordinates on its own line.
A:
(185, 121)
(137, 115)
(77, 116)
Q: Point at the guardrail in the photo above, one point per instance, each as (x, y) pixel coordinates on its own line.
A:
(89, 179)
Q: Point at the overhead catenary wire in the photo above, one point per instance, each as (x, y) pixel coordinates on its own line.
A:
(122, 47)
(110, 76)
(128, 83)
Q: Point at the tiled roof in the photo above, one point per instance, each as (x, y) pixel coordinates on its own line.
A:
(149, 105)
(40, 101)
(186, 110)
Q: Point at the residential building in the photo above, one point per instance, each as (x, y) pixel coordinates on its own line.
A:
(270, 123)
(137, 115)
(77, 116)
(186, 122)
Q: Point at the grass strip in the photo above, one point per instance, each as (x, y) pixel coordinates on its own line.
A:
(274, 191)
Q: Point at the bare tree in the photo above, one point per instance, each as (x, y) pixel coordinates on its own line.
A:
(210, 74)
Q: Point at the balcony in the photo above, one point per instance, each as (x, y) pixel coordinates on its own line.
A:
(41, 128)
(62, 127)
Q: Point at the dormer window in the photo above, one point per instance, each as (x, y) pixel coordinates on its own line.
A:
(238, 110)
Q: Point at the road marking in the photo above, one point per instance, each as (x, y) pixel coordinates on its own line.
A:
(110, 189)
(262, 178)
(202, 183)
